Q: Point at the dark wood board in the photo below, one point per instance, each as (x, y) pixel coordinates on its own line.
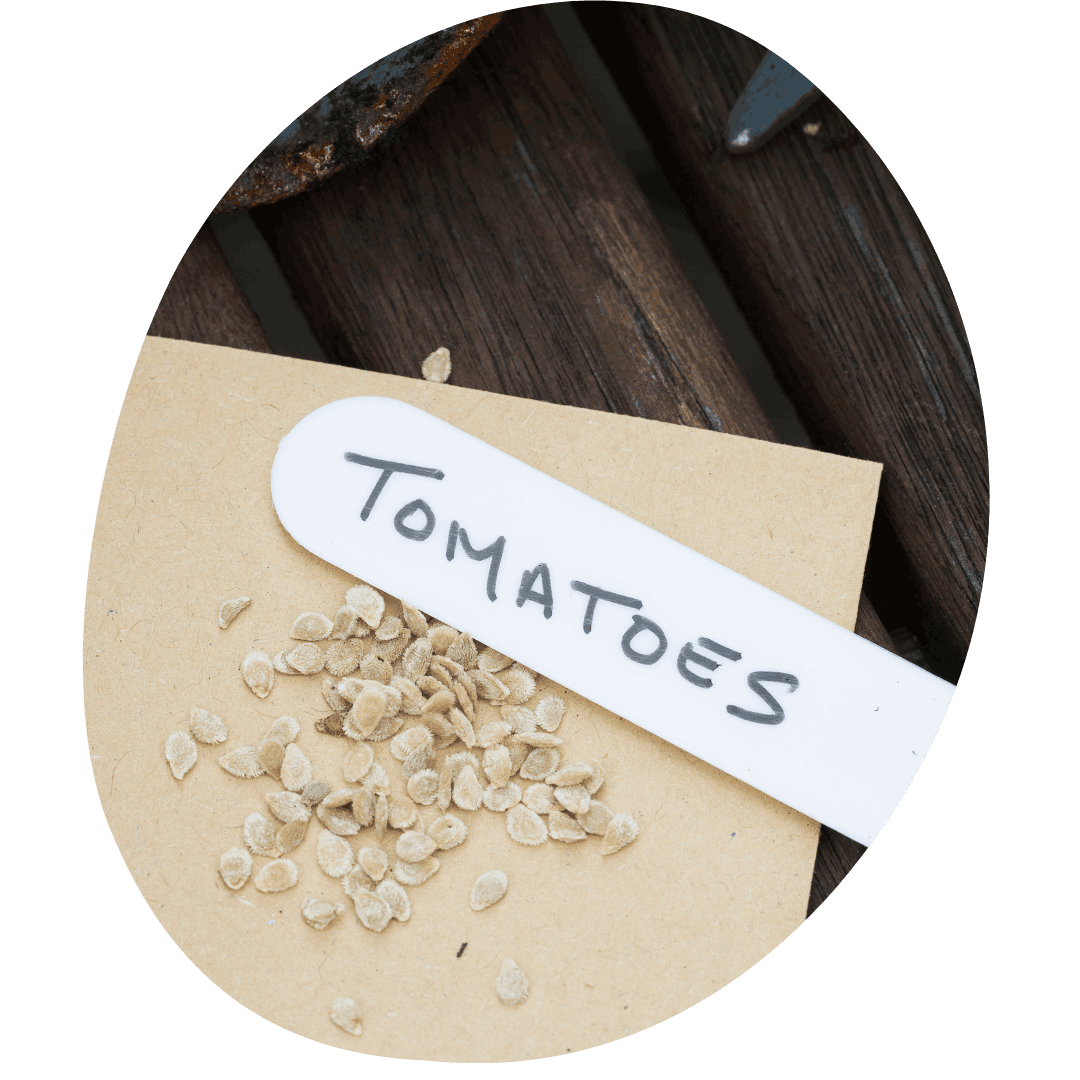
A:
(205, 303)
(830, 265)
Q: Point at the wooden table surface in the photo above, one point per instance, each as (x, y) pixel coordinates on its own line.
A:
(500, 222)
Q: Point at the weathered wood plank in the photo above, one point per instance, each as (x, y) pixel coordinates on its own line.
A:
(204, 302)
(501, 225)
(838, 280)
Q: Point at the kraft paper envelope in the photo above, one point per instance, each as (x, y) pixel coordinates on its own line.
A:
(719, 875)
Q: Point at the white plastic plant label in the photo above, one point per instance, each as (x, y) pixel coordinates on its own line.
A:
(701, 656)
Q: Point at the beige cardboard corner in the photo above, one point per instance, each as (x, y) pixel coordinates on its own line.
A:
(720, 873)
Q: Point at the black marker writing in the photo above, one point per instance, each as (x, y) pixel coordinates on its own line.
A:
(494, 552)
(406, 512)
(688, 655)
(640, 625)
(387, 467)
(526, 592)
(594, 594)
(720, 650)
(754, 681)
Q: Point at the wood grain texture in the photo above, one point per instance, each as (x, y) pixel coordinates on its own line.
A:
(835, 275)
(501, 225)
(204, 303)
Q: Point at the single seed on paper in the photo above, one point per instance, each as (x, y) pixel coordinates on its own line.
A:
(343, 657)
(271, 755)
(389, 628)
(333, 698)
(315, 792)
(441, 728)
(436, 680)
(490, 888)
(525, 827)
(596, 819)
(284, 729)
(594, 783)
(260, 835)
(287, 806)
(419, 760)
(295, 769)
(441, 636)
(346, 1014)
(549, 712)
(413, 847)
(414, 619)
(540, 764)
(519, 683)
(291, 835)
(539, 799)
(423, 787)
(439, 702)
(181, 753)
(373, 862)
(519, 753)
(311, 626)
(468, 791)
(490, 688)
(563, 827)
(357, 763)
(356, 881)
(339, 820)
(368, 603)
(501, 799)
(415, 658)
(206, 727)
(522, 720)
(396, 899)
(539, 739)
(462, 727)
(446, 781)
(319, 914)
(376, 669)
(334, 800)
(392, 649)
(412, 700)
(373, 911)
(333, 854)
(511, 985)
(242, 762)
(490, 734)
(307, 658)
(569, 775)
(276, 876)
(462, 650)
(282, 665)
(621, 830)
(448, 832)
(345, 623)
(230, 609)
(464, 701)
(379, 780)
(258, 672)
(235, 867)
(436, 366)
(575, 799)
(413, 874)
(448, 667)
(497, 765)
(366, 713)
(382, 815)
(403, 744)
(490, 660)
(401, 812)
